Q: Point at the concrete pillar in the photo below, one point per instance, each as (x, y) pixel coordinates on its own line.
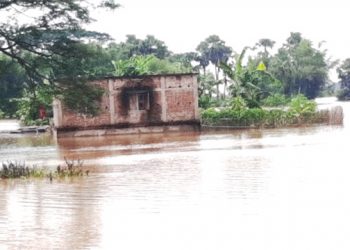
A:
(195, 97)
(111, 102)
(57, 113)
(163, 98)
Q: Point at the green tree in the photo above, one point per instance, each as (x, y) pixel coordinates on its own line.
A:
(153, 46)
(42, 37)
(264, 55)
(344, 75)
(214, 50)
(207, 84)
(203, 62)
(134, 46)
(301, 67)
(251, 84)
(143, 65)
(12, 80)
(185, 59)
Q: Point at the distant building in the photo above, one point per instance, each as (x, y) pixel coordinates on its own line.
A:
(152, 103)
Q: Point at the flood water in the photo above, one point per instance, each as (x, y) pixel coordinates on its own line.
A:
(267, 189)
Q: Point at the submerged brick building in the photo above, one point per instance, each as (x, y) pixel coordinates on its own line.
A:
(152, 103)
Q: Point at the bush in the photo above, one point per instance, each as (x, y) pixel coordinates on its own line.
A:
(238, 103)
(38, 122)
(29, 104)
(301, 112)
(275, 100)
(344, 94)
(18, 170)
(83, 98)
(302, 109)
(205, 102)
(15, 169)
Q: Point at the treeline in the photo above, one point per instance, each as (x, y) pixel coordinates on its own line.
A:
(255, 74)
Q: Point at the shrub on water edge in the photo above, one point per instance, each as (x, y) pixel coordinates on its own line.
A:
(343, 94)
(238, 103)
(38, 122)
(301, 105)
(262, 118)
(275, 100)
(15, 169)
(206, 102)
(72, 168)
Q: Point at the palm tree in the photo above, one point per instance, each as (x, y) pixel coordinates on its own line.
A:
(214, 50)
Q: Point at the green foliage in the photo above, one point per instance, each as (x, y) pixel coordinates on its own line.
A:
(143, 65)
(2, 114)
(206, 102)
(302, 68)
(259, 118)
(164, 66)
(185, 59)
(300, 106)
(135, 66)
(238, 104)
(83, 98)
(49, 47)
(82, 60)
(30, 102)
(242, 81)
(15, 169)
(213, 50)
(137, 47)
(300, 111)
(275, 100)
(255, 117)
(206, 84)
(72, 168)
(12, 79)
(251, 84)
(56, 26)
(343, 94)
(264, 56)
(344, 75)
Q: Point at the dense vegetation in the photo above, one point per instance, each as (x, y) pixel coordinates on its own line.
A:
(299, 111)
(15, 169)
(44, 42)
(53, 55)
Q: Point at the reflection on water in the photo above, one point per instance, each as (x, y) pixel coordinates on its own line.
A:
(248, 189)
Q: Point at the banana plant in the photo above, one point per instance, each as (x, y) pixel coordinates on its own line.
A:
(243, 81)
(135, 66)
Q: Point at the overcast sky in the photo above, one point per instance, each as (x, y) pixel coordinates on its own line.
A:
(182, 24)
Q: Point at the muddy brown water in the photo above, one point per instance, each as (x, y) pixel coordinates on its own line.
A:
(243, 189)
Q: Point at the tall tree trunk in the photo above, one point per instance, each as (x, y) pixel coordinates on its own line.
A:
(225, 85)
(217, 82)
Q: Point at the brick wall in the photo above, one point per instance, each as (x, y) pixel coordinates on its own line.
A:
(171, 98)
(73, 119)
